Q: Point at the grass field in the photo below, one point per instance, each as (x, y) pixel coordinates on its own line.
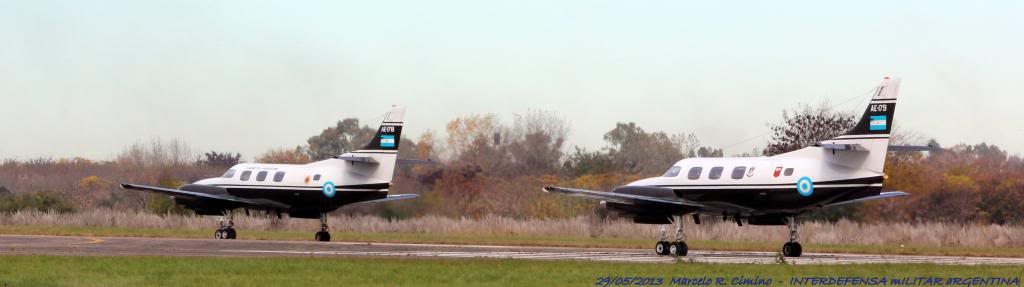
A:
(517, 240)
(310, 271)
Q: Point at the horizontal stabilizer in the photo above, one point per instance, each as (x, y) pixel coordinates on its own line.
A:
(879, 196)
(352, 158)
(620, 197)
(393, 197)
(849, 147)
(415, 161)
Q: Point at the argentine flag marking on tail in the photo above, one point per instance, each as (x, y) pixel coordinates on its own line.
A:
(387, 141)
(877, 123)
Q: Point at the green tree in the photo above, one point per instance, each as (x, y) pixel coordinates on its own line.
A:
(217, 159)
(347, 135)
(40, 201)
(164, 204)
(639, 152)
(583, 162)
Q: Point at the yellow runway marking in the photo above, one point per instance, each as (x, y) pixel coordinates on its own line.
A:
(92, 240)
(85, 241)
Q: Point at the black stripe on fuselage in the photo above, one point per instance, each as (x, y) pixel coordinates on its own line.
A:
(857, 138)
(773, 200)
(370, 186)
(376, 151)
(309, 198)
(864, 181)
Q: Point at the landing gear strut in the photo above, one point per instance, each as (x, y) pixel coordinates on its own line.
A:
(792, 248)
(323, 235)
(677, 247)
(227, 226)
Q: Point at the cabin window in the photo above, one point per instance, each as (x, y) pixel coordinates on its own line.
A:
(716, 172)
(789, 171)
(261, 176)
(737, 173)
(246, 175)
(279, 176)
(694, 172)
(229, 174)
(316, 177)
(672, 172)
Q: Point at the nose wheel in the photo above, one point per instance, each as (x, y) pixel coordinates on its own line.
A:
(226, 233)
(323, 235)
(675, 248)
(226, 229)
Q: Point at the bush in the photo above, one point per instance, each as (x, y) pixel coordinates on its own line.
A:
(164, 205)
(39, 201)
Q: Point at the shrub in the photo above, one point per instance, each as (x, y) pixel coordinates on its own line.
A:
(39, 201)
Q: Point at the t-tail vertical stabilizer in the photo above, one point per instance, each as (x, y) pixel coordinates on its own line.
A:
(376, 161)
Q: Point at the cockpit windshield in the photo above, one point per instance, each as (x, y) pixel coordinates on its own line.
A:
(672, 172)
(230, 173)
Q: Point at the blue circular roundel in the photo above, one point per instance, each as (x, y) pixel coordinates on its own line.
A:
(804, 186)
(329, 189)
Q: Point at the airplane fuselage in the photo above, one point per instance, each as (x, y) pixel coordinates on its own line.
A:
(764, 185)
(310, 188)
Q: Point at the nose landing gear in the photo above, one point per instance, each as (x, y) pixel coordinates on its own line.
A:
(226, 229)
(677, 247)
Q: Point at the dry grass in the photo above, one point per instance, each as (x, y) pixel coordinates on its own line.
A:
(841, 233)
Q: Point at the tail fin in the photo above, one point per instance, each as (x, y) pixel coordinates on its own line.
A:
(389, 135)
(375, 163)
(871, 134)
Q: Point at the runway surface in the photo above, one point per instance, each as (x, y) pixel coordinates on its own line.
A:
(131, 246)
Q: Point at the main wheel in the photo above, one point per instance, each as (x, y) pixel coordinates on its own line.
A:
(322, 236)
(219, 234)
(792, 249)
(678, 249)
(229, 233)
(661, 248)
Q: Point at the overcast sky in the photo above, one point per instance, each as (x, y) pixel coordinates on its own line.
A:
(86, 78)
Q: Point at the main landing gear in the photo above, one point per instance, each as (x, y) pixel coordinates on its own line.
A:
(792, 248)
(227, 227)
(677, 247)
(323, 235)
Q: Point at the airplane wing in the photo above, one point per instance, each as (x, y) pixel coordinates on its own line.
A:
(879, 196)
(392, 197)
(206, 196)
(620, 197)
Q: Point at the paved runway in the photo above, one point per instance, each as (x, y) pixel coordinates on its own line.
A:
(127, 246)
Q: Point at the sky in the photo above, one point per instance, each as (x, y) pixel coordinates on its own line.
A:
(87, 78)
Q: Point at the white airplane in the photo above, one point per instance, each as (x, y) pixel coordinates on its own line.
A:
(764, 190)
(303, 191)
